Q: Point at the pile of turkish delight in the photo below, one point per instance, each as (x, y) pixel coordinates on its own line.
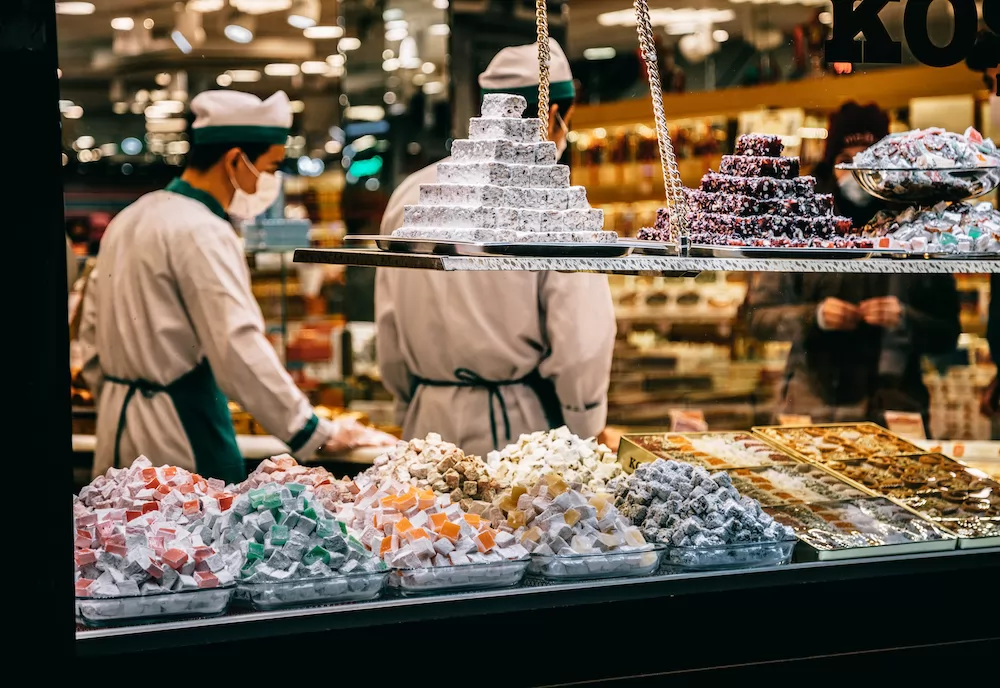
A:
(440, 466)
(944, 228)
(503, 184)
(916, 164)
(281, 470)
(685, 506)
(758, 199)
(533, 456)
(278, 533)
(148, 530)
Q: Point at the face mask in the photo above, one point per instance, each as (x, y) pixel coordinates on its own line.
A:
(853, 191)
(247, 206)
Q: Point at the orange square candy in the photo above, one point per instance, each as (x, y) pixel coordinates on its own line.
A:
(485, 541)
(450, 530)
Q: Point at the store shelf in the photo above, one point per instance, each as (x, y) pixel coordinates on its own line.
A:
(253, 448)
(639, 264)
(537, 599)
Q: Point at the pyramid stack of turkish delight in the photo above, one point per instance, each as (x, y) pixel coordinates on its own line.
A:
(503, 185)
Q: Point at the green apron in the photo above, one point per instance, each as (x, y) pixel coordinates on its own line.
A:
(201, 406)
(204, 413)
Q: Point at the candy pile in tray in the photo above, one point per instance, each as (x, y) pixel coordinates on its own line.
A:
(933, 148)
(503, 184)
(284, 469)
(791, 484)
(414, 528)
(574, 532)
(838, 442)
(440, 466)
(559, 451)
(717, 450)
(943, 228)
(861, 523)
(687, 507)
(931, 164)
(758, 199)
(276, 533)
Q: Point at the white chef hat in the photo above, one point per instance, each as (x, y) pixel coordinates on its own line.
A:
(236, 117)
(515, 70)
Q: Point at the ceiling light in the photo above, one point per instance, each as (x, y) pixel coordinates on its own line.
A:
(599, 53)
(391, 15)
(367, 113)
(171, 107)
(428, 68)
(433, 88)
(154, 112)
(825, 18)
(397, 24)
(314, 67)
(282, 69)
(244, 76)
(441, 4)
(73, 112)
(333, 147)
(224, 80)
(668, 17)
(393, 35)
(123, 23)
(188, 30)
(304, 14)
(261, 6)
(182, 43)
(297, 106)
(75, 8)
(335, 71)
(439, 29)
(720, 35)
(391, 65)
(240, 28)
(389, 98)
(84, 142)
(206, 5)
(148, 24)
(323, 32)
(336, 60)
(120, 108)
(348, 44)
(408, 57)
(419, 79)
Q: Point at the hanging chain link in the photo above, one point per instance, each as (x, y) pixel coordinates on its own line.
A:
(676, 197)
(544, 57)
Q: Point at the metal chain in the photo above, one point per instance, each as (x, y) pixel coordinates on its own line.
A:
(674, 188)
(544, 57)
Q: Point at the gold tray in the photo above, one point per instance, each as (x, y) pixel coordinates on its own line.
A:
(631, 453)
(762, 432)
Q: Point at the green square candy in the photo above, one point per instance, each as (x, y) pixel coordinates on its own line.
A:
(248, 568)
(256, 498)
(279, 535)
(255, 550)
(355, 545)
(343, 527)
(310, 513)
(317, 553)
(296, 488)
(272, 501)
(325, 527)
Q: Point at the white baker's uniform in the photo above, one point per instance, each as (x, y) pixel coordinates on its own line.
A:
(492, 327)
(170, 300)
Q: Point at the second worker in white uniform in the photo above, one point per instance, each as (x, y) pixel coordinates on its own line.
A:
(483, 357)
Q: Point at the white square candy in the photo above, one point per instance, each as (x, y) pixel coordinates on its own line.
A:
(503, 105)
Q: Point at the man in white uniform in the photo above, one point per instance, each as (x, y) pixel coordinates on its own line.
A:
(170, 325)
(483, 357)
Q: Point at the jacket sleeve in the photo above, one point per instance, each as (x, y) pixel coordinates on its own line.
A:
(214, 285)
(934, 317)
(578, 318)
(392, 366)
(91, 372)
(774, 308)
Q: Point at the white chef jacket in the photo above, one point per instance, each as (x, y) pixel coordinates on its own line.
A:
(172, 287)
(500, 325)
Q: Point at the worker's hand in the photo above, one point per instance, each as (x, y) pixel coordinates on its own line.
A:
(350, 434)
(611, 437)
(836, 315)
(885, 311)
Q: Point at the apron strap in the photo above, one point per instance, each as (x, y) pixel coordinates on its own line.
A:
(148, 389)
(541, 387)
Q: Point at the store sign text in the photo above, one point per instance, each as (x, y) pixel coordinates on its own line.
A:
(850, 21)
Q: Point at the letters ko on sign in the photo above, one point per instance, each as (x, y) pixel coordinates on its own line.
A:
(878, 46)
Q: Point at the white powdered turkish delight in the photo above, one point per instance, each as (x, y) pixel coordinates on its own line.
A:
(503, 105)
(495, 173)
(518, 130)
(493, 151)
(545, 153)
(463, 194)
(549, 176)
(589, 220)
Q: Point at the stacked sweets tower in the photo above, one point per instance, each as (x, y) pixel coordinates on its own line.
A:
(758, 199)
(503, 185)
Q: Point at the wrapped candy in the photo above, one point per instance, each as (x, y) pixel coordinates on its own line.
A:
(943, 228)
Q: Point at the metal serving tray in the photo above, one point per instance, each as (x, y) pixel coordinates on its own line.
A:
(772, 434)
(632, 452)
(708, 251)
(650, 248)
(475, 248)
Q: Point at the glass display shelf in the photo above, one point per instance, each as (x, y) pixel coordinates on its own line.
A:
(670, 265)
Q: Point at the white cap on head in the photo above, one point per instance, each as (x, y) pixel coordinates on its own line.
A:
(237, 117)
(515, 71)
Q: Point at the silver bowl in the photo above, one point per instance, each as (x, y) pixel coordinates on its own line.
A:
(924, 185)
